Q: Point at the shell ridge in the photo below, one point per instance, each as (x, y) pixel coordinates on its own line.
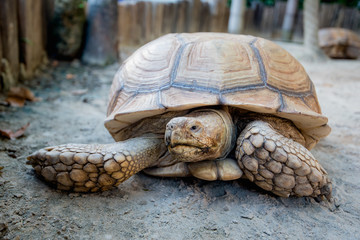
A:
(303, 100)
(179, 53)
(160, 101)
(282, 104)
(263, 73)
(288, 93)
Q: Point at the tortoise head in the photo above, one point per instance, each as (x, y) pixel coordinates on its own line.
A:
(203, 134)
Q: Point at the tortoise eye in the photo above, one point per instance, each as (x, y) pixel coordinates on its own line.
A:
(194, 128)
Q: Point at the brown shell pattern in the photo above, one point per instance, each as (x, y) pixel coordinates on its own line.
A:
(184, 71)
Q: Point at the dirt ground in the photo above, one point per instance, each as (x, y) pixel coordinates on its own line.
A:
(72, 110)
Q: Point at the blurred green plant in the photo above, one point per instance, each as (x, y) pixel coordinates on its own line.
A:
(82, 5)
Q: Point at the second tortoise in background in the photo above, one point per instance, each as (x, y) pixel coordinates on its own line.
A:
(339, 43)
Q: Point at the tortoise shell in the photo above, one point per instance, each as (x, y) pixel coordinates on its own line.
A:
(184, 71)
(339, 43)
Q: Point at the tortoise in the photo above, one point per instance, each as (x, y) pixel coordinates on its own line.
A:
(339, 43)
(214, 106)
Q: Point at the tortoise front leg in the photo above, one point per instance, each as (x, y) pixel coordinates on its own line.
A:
(95, 167)
(279, 164)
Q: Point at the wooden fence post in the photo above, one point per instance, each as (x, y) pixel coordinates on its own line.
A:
(32, 46)
(9, 38)
(180, 17)
(158, 19)
(216, 21)
(195, 15)
(204, 23)
(101, 38)
(148, 22)
(140, 22)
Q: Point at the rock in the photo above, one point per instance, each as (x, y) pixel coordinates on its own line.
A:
(18, 195)
(142, 202)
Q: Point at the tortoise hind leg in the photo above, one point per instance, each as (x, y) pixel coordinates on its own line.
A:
(279, 164)
(222, 169)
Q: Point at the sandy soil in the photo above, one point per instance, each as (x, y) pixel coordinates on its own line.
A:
(159, 208)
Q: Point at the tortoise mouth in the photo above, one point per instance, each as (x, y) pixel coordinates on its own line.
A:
(185, 144)
(188, 153)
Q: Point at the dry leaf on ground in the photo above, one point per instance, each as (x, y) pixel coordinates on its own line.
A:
(13, 135)
(15, 101)
(70, 76)
(18, 95)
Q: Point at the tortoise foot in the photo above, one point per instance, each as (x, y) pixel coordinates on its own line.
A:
(279, 164)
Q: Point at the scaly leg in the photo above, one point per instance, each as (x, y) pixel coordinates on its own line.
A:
(95, 167)
(279, 164)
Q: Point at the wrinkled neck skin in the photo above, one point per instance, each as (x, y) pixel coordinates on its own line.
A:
(203, 134)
